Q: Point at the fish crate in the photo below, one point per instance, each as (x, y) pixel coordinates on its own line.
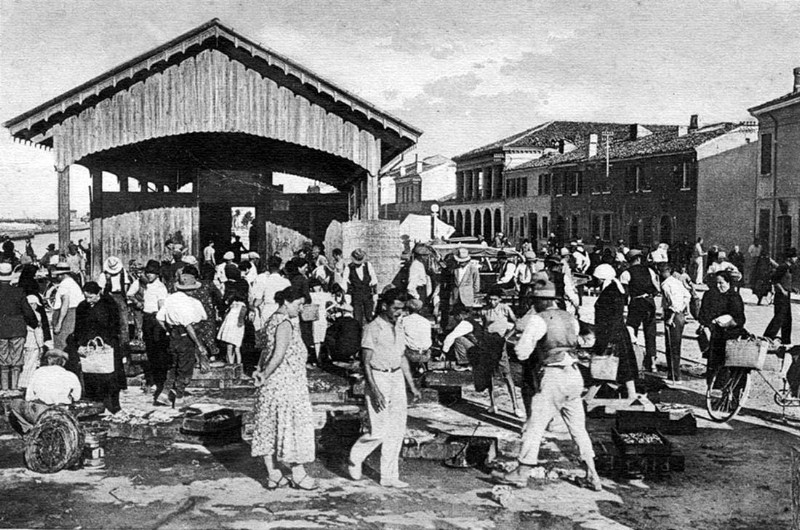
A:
(641, 442)
(662, 422)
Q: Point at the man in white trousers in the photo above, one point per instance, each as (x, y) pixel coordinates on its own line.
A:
(387, 372)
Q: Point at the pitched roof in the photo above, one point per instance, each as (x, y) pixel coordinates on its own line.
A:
(777, 101)
(663, 142)
(35, 123)
(411, 169)
(549, 134)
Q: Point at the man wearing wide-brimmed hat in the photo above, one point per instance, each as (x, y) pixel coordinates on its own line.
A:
(15, 315)
(362, 285)
(551, 336)
(419, 283)
(68, 296)
(115, 281)
(467, 279)
(178, 315)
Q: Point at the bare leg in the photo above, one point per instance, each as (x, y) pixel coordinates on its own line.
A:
(273, 472)
(630, 386)
(492, 404)
(512, 391)
(229, 353)
(237, 353)
(301, 479)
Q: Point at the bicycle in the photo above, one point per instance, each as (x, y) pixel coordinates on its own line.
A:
(730, 387)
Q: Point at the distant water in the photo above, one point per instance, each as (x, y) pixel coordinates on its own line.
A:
(40, 241)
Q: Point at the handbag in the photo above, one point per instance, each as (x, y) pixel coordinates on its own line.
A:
(97, 357)
(604, 367)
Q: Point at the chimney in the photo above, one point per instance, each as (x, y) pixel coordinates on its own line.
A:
(796, 80)
(592, 145)
(693, 123)
(683, 130)
(418, 163)
(633, 132)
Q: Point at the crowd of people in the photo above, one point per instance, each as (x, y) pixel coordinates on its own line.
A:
(277, 318)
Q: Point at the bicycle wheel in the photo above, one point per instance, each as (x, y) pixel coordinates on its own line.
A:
(727, 393)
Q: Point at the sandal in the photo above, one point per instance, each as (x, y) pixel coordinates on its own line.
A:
(306, 483)
(275, 484)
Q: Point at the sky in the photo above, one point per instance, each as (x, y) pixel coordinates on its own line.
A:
(466, 72)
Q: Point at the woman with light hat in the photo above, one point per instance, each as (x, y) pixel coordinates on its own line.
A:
(114, 281)
(611, 335)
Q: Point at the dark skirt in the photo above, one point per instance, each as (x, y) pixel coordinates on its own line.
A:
(617, 342)
(488, 358)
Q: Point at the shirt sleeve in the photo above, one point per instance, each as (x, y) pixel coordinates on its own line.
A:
(133, 289)
(368, 338)
(625, 278)
(75, 387)
(161, 316)
(463, 328)
(373, 278)
(534, 331)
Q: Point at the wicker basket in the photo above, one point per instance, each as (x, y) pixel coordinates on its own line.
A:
(746, 353)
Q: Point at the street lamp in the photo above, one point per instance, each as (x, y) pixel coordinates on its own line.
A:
(434, 215)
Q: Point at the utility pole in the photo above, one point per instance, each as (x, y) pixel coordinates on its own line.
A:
(607, 136)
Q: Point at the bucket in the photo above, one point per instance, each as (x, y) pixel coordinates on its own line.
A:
(94, 452)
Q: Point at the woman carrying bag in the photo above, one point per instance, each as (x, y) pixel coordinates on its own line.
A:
(97, 333)
(612, 340)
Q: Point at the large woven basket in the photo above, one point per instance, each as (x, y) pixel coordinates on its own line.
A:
(54, 443)
(746, 353)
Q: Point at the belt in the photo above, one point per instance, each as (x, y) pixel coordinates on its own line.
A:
(389, 371)
(644, 296)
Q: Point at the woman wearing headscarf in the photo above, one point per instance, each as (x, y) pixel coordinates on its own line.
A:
(611, 335)
(98, 316)
(722, 312)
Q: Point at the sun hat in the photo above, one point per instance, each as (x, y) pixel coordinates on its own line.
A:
(189, 260)
(545, 289)
(152, 267)
(5, 272)
(461, 255)
(228, 256)
(604, 271)
(358, 256)
(62, 268)
(33, 299)
(254, 255)
(55, 352)
(112, 265)
(633, 254)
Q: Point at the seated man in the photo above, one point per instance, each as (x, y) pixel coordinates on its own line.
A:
(50, 385)
(343, 338)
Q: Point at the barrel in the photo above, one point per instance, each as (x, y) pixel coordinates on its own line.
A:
(94, 448)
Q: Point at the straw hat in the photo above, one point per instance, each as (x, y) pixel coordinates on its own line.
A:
(228, 256)
(530, 256)
(62, 268)
(112, 265)
(421, 250)
(33, 299)
(5, 272)
(189, 260)
(461, 255)
(54, 352)
(358, 256)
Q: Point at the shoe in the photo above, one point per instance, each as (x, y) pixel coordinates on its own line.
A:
(158, 403)
(459, 368)
(516, 478)
(354, 471)
(396, 483)
(275, 484)
(306, 483)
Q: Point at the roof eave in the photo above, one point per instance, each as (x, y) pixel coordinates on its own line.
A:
(774, 105)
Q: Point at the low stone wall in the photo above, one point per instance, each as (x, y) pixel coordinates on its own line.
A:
(381, 240)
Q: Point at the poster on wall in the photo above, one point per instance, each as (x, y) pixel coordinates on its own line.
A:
(242, 218)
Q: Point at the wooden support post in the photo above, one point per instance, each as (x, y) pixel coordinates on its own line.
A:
(372, 197)
(63, 209)
(795, 488)
(96, 222)
(97, 193)
(123, 184)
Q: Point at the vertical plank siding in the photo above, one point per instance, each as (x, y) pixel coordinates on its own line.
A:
(143, 235)
(211, 93)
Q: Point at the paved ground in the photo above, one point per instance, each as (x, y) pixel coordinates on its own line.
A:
(736, 477)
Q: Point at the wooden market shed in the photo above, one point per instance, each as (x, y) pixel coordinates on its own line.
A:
(201, 123)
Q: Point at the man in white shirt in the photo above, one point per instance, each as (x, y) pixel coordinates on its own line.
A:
(178, 315)
(210, 254)
(417, 330)
(419, 283)
(262, 295)
(220, 278)
(68, 296)
(50, 385)
(153, 293)
(552, 334)
(506, 271)
(675, 303)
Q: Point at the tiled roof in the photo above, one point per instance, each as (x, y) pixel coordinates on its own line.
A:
(427, 163)
(782, 99)
(663, 142)
(551, 133)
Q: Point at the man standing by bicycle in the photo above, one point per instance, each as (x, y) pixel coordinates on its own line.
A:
(782, 282)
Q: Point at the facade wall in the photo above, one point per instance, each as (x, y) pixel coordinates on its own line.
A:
(661, 207)
(455, 214)
(725, 187)
(779, 187)
(438, 182)
(531, 212)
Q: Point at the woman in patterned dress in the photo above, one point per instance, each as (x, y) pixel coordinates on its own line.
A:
(208, 295)
(284, 427)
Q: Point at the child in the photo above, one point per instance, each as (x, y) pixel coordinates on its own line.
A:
(320, 326)
(499, 320)
(418, 331)
(33, 345)
(231, 331)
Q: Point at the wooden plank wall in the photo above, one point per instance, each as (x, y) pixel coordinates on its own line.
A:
(143, 235)
(211, 93)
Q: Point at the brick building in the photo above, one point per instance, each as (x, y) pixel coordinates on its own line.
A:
(654, 184)
(415, 186)
(777, 204)
(497, 185)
